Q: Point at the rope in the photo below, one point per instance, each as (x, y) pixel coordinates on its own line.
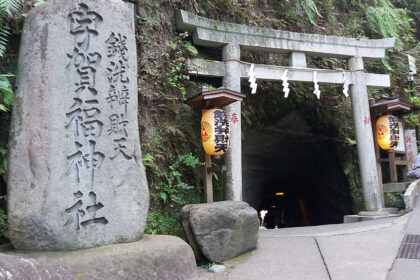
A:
(294, 68)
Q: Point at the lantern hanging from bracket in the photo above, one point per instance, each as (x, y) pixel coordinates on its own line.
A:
(387, 132)
(215, 132)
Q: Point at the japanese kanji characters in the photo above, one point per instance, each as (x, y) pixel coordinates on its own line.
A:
(118, 95)
(78, 212)
(387, 132)
(215, 131)
(83, 117)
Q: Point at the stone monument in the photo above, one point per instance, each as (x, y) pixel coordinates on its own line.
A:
(76, 178)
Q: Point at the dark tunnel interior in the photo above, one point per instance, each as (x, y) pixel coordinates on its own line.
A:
(295, 175)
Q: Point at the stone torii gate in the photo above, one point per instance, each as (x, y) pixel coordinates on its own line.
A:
(233, 38)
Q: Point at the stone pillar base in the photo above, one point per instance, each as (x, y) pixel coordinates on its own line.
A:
(373, 213)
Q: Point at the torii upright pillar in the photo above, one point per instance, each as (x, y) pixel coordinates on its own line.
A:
(364, 137)
(231, 54)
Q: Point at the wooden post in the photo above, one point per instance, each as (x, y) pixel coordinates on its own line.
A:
(392, 167)
(208, 178)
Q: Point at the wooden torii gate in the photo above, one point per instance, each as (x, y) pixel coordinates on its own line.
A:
(233, 38)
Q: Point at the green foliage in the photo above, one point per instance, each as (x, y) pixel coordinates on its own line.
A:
(159, 223)
(3, 219)
(395, 199)
(147, 22)
(3, 161)
(207, 265)
(169, 131)
(4, 34)
(385, 62)
(388, 21)
(38, 2)
(6, 100)
(10, 7)
(148, 160)
(173, 189)
(6, 92)
(172, 62)
(310, 9)
(173, 193)
(351, 170)
(7, 9)
(413, 120)
(175, 74)
(415, 100)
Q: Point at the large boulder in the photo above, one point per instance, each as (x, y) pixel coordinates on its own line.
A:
(221, 230)
(155, 257)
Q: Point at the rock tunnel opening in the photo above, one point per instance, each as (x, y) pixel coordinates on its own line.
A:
(294, 175)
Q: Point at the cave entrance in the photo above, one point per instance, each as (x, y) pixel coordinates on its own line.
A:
(294, 175)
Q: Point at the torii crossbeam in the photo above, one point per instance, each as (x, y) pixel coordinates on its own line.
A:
(233, 38)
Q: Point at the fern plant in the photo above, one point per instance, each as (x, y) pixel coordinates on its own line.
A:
(7, 9)
(387, 21)
(4, 34)
(10, 6)
(310, 9)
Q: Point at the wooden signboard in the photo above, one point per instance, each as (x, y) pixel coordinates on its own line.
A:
(410, 146)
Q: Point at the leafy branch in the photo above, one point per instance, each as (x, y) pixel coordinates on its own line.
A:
(10, 7)
(310, 9)
(387, 21)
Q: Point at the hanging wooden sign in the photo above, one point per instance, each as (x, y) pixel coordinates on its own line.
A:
(215, 132)
(387, 132)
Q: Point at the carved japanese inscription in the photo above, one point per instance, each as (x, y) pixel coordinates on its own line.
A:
(118, 95)
(83, 117)
(76, 179)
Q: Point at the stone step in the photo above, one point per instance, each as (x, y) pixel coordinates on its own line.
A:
(359, 218)
(392, 210)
